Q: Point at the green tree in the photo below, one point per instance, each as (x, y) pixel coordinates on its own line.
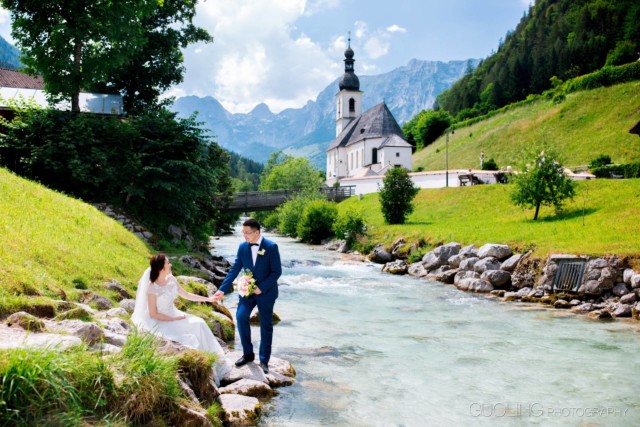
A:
(396, 196)
(426, 127)
(156, 64)
(284, 172)
(541, 182)
(316, 221)
(74, 44)
(349, 225)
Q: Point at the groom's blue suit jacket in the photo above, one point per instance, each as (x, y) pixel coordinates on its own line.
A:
(266, 271)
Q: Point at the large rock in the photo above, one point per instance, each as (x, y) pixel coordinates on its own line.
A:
(446, 276)
(192, 418)
(17, 337)
(248, 387)
(128, 304)
(88, 332)
(620, 289)
(474, 285)
(239, 410)
(114, 285)
(463, 275)
(26, 321)
(497, 278)
(278, 380)
(627, 274)
(511, 263)
(417, 270)
(635, 281)
(398, 266)
(380, 256)
(484, 264)
(494, 250)
(621, 310)
(440, 255)
(468, 263)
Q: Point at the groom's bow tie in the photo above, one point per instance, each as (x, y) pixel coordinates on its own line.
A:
(253, 244)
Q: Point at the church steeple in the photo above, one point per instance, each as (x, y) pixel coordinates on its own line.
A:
(349, 99)
(349, 80)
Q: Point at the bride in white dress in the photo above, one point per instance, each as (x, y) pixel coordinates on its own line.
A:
(155, 312)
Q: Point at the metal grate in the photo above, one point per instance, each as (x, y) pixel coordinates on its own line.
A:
(569, 275)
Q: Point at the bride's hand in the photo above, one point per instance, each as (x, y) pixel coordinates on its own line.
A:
(181, 317)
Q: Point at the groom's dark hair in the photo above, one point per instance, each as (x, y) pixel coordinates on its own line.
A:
(253, 223)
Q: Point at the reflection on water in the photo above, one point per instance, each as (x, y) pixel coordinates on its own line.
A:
(372, 349)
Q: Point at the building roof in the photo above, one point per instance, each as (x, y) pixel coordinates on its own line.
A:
(16, 79)
(376, 122)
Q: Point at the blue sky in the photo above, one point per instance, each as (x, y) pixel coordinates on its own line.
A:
(284, 52)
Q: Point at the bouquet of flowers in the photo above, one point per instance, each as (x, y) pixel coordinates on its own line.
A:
(245, 284)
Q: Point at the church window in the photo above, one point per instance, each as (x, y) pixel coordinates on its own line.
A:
(397, 154)
(352, 105)
(374, 155)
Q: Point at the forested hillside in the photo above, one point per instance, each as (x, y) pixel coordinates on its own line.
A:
(9, 55)
(561, 38)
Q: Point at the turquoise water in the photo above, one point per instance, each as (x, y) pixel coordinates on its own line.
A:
(372, 349)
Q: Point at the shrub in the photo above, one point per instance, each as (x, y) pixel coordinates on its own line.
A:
(316, 221)
(349, 225)
(601, 160)
(630, 170)
(490, 165)
(289, 213)
(396, 195)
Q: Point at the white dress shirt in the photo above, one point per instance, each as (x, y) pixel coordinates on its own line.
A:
(254, 250)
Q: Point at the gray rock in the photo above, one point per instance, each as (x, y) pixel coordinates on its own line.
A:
(343, 248)
(474, 285)
(469, 251)
(101, 302)
(106, 347)
(497, 278)
(398, 266)
(116, 312)
(561, 304)
(599, 315)
(635, 281)
(484, 264)
(250, 371)
(494, 250)
(464, 274)
(583, 308)
(468, 263)
(626, 276)
(191, 417)
(239, 410)
(598, 263)
(88, 332)
(417, 269)
(112, 338)
(17, 337)
(114, 285)
(629, 298)
(248, 387)
(116, 325)
(594, 287)
(447, 276)
(440, 255)
(26, 321)
(175, 232)
(621, 310)
(431, 261)
(620, 289)
(128, 304)
(511, 263)
(333, 245)
(278, 380)
(380, 256)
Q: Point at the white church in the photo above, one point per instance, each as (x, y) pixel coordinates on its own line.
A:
(367, 144)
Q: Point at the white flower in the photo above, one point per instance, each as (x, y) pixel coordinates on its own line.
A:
(261, 252)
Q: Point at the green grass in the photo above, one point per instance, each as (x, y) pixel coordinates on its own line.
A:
(52, 245)
(484, 214)
(586, 124)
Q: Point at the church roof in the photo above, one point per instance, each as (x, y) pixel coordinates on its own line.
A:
(376, 122)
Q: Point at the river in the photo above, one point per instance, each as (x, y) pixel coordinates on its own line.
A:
(373, 349)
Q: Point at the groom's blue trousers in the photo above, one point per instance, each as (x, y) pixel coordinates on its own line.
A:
(265, 305)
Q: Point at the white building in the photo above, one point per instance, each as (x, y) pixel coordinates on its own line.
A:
(15, 85)
(367, 144)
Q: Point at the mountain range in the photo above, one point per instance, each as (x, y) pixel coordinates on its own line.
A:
(308, 131)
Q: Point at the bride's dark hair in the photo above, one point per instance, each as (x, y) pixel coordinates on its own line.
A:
(157, 264)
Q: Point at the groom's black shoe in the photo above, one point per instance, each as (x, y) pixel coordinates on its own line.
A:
(246, 358)
(265, 367)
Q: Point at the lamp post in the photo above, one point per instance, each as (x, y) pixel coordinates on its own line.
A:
(448, 131)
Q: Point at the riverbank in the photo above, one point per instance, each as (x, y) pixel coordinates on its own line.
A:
(598, 287)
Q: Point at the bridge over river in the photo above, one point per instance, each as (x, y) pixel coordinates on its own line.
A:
(252, 201)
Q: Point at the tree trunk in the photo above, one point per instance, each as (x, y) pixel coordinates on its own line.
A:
(77, 80)
(537, 210)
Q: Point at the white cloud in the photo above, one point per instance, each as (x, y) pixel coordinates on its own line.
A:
(396, 28)
(5, 25)
(256, 58)
(376, 47)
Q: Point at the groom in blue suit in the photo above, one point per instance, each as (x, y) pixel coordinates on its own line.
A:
(262, 258)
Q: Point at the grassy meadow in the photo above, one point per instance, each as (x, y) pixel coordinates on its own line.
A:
(586, 124)
(53, 245)
(485, 214)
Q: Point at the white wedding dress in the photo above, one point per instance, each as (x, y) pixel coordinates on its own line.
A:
(191, 331)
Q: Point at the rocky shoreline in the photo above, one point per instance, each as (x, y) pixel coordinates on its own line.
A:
(599, 287)
(241, 390)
